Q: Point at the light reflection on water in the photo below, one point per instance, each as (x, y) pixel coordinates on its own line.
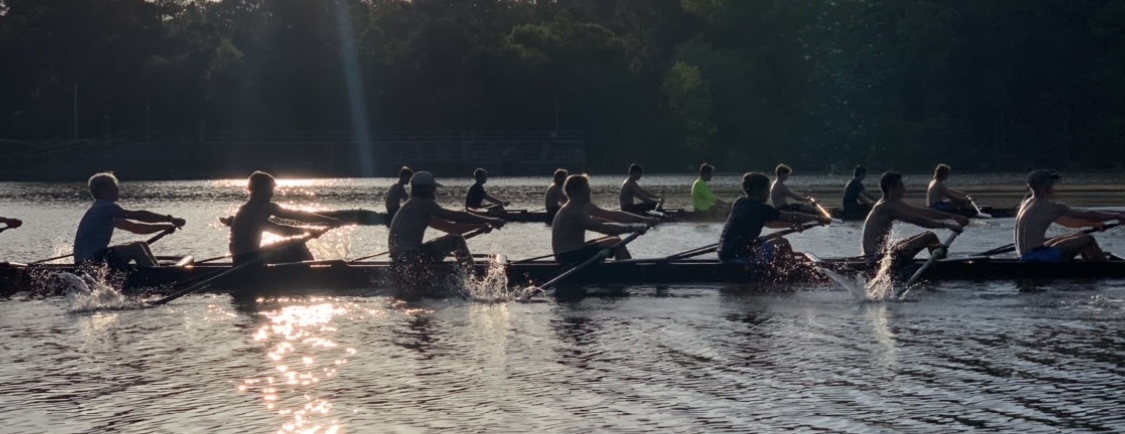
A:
(1001, 356)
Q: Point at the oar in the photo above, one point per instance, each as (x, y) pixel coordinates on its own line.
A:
(823, 211)
(980, 214)
(154, 239)
(549, 255)
(933, 258)
(5, 228)
(601, 256)
(256, 261)
(711, 248)
(1012, 247)
(466, 235)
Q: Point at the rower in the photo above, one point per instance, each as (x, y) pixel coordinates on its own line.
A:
(780, 193)
(892, 208)
(857, 201)
(630, 190)
(739, 244)
(91, 242)
(555, 197)
(11, 223)
(1040, 210)
(945, 199)
(476, 197)
(396, 195)
(579, 214)
(422, 210)
(253, 219)
(702, 199)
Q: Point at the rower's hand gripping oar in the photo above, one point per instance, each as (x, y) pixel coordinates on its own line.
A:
(256, 261)
(823, 211)
(601, 256)
(933, 258)
(149, 241)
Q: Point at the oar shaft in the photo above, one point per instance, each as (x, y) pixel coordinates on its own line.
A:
(467, 235)
(602, 255)
(149, 241)
(933, 258)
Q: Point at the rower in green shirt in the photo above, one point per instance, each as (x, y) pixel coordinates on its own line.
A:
(702, 199)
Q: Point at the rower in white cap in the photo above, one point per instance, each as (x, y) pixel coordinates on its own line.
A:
(422, 211)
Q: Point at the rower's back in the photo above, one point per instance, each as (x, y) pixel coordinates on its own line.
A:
(408, 227)
(625, 197)
(877, 227)
(248, 224)
(777, 193)
(935, 192)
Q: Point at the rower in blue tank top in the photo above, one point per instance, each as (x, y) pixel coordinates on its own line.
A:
(739, 242)
(91, 242)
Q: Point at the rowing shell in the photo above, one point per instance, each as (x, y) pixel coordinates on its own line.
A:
(328, 277)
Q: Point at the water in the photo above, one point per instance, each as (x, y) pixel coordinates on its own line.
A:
(964, 356)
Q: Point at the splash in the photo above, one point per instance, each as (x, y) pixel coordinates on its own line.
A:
(492, 287)
(85, 293)
(882, 287)
(855, 284)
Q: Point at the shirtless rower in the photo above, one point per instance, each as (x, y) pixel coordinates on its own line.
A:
(555, 197)
(702, 199)
(891, 208)
(476, 197)
(422, 211)
(857, 201)
(780, 193)
(631, 190)
(396, 195)
(253, 219)
(91, 242)
(739, 242)
(568, 230)
(1040, 210)
(942, 198)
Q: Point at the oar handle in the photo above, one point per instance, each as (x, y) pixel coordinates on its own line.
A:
(933, 258)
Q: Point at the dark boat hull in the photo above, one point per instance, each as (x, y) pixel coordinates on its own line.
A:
(334, 276)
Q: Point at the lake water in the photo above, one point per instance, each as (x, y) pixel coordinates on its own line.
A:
(963, 357)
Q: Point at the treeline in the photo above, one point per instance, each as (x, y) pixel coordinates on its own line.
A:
(983, 85)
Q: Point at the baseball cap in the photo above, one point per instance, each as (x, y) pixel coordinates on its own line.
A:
(1041, 177)
(423, 179)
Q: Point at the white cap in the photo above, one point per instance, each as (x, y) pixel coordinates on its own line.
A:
(423, 179)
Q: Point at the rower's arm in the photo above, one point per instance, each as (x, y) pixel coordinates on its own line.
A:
(788, 219)
(147, 217)
(283, 230)
(452, 227)
(1073, 218)
(303, 216)
(140, 228)
(792, 194)
(867, 198)
(922, 217)
(592, 224)
(12, 223)
(618, 216)
(644, 194)
(952, 194)
(493, 199)
(934, 214)
(465, 217)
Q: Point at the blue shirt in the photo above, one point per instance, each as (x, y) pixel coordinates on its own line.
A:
(95, 230)
(744, 225)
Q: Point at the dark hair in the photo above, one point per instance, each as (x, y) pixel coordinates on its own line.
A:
(405, 173)
(755, 181)
(859, 170)
(100, 182)
(636, 168)
(941, 171)
(259, 180)
(574, 183)
(480, 174)
(706, 168)
(888, 181)
(560, 176)
(782, 170)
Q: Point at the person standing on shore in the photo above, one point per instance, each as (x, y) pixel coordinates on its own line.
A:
(95, 230)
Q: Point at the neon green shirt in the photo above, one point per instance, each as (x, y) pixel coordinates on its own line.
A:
(701, 196)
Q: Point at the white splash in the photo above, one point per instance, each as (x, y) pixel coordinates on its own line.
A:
(85, 293)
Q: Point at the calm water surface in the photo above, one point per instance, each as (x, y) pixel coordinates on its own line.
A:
(965, 356)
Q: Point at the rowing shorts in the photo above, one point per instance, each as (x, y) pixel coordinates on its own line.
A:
(943, 207)
(105, 257)
(639, 208)
(1044, 254)
(763, 254)
(419, 256)
(578, 256)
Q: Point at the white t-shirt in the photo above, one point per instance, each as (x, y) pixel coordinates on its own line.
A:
(95, 230)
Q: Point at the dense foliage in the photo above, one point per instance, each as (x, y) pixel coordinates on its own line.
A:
(997, 84)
